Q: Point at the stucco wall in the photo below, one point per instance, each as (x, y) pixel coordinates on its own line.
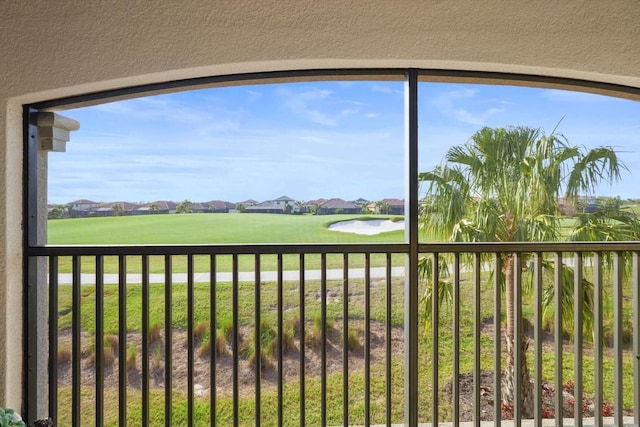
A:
(54, 49)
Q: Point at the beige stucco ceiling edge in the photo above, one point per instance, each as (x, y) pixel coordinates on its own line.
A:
(431, 70)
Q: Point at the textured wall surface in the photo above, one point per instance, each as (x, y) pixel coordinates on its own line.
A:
(54, 49)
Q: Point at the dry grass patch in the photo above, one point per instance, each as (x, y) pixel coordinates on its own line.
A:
(131, 357)
(155, 333)
(64, 355)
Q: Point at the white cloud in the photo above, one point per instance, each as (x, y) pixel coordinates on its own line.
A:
(458, 105)
(571, 96)
(382, 89)
(305, 104)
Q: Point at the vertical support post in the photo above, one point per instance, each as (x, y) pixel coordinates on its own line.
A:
(636, 340)
(35, 337)
(43, 132)
(411, 237)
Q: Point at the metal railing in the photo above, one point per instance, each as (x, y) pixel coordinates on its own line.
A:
(317, 334)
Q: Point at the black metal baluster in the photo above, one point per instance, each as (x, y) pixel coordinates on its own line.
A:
(497, 340)
(75, 344)
(597, 342)
(455, 392)
(323, 338)
(476, 338)
(557, 330)
(538, 333)
(389, 331)
(168, 338)
(213, 337)
(122, 340)
(280, 346)
(235, 339)
(345, 339)
(517, 338)
(257, 344)
(190, 338)
(367, 339)
(636, 338)
(145, 340)
(617, 338)
(53, 337)
(435, 342)
(99, 343)
(302, 297)
(578, 300)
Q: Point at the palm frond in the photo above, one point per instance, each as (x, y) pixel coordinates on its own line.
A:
(567, 302)
(445, 287)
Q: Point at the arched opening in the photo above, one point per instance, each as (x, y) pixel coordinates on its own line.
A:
(394, 253)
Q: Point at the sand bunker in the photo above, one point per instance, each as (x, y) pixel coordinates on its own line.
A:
(370, 227)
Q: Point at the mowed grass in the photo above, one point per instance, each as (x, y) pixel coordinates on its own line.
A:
(209, 229)
(213, 229)
(205, 228)
(355, 291)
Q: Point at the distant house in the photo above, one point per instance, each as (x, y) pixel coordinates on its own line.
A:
(219, 206)
(396, 206)
(81, 208)
(278, 205)
(284, 201)
(310, 206)
(265, 207)
(157, 207)
(114, 209)
(335, 206)
(83, 205)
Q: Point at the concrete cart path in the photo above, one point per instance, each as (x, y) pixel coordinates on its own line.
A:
(243, 276)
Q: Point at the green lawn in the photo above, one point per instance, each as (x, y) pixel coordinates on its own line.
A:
(209, 229)
(213, 229)
(257, 228)
(334, 381)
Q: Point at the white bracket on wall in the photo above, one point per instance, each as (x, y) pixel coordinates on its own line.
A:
(53, 131)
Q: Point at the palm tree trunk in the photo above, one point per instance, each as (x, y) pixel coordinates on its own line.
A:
(508, 379)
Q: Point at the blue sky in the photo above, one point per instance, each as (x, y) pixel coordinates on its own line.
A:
(309, 140)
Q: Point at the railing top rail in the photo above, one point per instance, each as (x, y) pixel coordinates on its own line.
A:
(483, 247)
(215, 249)
(339, 248)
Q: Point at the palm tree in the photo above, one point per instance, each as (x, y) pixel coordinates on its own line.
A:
(117, 209)
(503, 186)
(383, 207)
(184, 206)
